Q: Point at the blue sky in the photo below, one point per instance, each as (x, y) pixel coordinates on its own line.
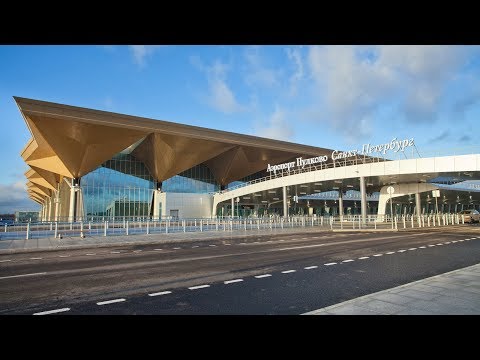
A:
(337, 97)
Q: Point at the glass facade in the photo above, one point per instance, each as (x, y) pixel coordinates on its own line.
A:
(121, 186)
(258, 175)
(199, 179)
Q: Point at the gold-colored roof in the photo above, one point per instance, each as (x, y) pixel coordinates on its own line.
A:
(72, 141)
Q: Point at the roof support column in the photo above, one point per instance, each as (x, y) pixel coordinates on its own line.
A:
(285, 204)
(363, 196)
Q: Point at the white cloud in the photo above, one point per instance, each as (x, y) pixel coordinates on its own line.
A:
(219, 96)
(277, 126)
(15, 197)
(257, 72)
(140, 53)
(354, 82)
(295, 57)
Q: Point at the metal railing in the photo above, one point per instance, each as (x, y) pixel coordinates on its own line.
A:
(59, 230)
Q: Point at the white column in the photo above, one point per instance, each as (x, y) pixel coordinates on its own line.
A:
(57, 204)
(71, 211)
(50, 208)
(156, 204)
(363, 195)
(233, 207)
(340, 204)
(285, 204)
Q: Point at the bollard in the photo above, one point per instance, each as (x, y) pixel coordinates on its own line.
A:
(56, 230)
(5, 227)
(216, 224)
(428, 221)
(89, 225)
(51, 226)
(396, 224)
(126, 227)
(412, 221)
(183, 223)
(375, 223)
(105, 229)
(28, 231)
(433, 220)
(167, 222)
(81, 230)
(148, 227)
(245, 224)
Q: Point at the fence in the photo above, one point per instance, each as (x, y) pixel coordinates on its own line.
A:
(166, 226)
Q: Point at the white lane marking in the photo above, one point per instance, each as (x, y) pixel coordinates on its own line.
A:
(314, 237)
(378, 255)
(401, 250)
(14, 276)
(364, 257)
(36, 258)
(412, 249)
(263, 276)
(288, 271)
(461, 240)
(431, 245)
(135, 251)
(454, 241)
(228, 244)
(52, 311)
(446, 243)
(195, 246)
(390, 252)
(348, 260)
(440, 244)
(478, 237)
(212, 245)
(90, 254)
(467, 239)
(157, 249)
(64, 256)
(281, 240)
(110, 301)
(176, 248)
(198, 287)
(422, 247)
(160, 293)
(5, 260)
(332, 263)
(300, 247)
(311, 267)
(114, 252)
(242, 243)
(256, 242)
(232, 281)
(270, 241)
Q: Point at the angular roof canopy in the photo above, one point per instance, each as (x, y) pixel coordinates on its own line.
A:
(70, 141)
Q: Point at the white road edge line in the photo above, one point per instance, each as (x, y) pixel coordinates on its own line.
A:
(262, 276)
(311, 267)
(288, 271)
(15, 276)
(110, 301)
(332, 263)
(198, 287)
(160, 293)
(52, 311)
(232, 281)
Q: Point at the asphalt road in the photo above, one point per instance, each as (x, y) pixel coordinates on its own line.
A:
(279, 274)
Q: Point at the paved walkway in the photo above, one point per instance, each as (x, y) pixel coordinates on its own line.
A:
(453, 293)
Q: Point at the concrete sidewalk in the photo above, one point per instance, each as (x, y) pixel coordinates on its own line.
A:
(453, 293)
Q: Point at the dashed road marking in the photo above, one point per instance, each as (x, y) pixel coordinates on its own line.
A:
(378, 255)
(114, 252)
(461, 240)
(401, 250)
(263, 276)
(256, 242)
(446, 243)
(198, 287)
(281, 240)
(176, 248)
(161, 249)
(110, 301)
(454, 241)
(348, 260)
(136, 251)
(36, 258)
(227, 244)
(195, 246)
(422, 247)
(232, 281)
(364, 257)
(412, 249)
(390, 252)
(332, 263)
(270, 241)
(212, 245)
(52, 311)
(439, 244)
(431, 245)
(15, 276)
(160, 293)
(5, 260)
(311, 267)
(90, 254)
(288, 271)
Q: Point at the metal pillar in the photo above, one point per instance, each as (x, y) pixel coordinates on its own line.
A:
(418, 207)
(285, 204)
(363, 196)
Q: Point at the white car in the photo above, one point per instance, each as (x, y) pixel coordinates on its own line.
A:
(470, 216)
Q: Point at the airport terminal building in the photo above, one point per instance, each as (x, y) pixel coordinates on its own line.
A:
(91, 164)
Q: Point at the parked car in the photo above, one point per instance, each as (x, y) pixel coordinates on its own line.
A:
(470, 216)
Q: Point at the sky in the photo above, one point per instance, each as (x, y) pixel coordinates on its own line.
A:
(336, 97)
